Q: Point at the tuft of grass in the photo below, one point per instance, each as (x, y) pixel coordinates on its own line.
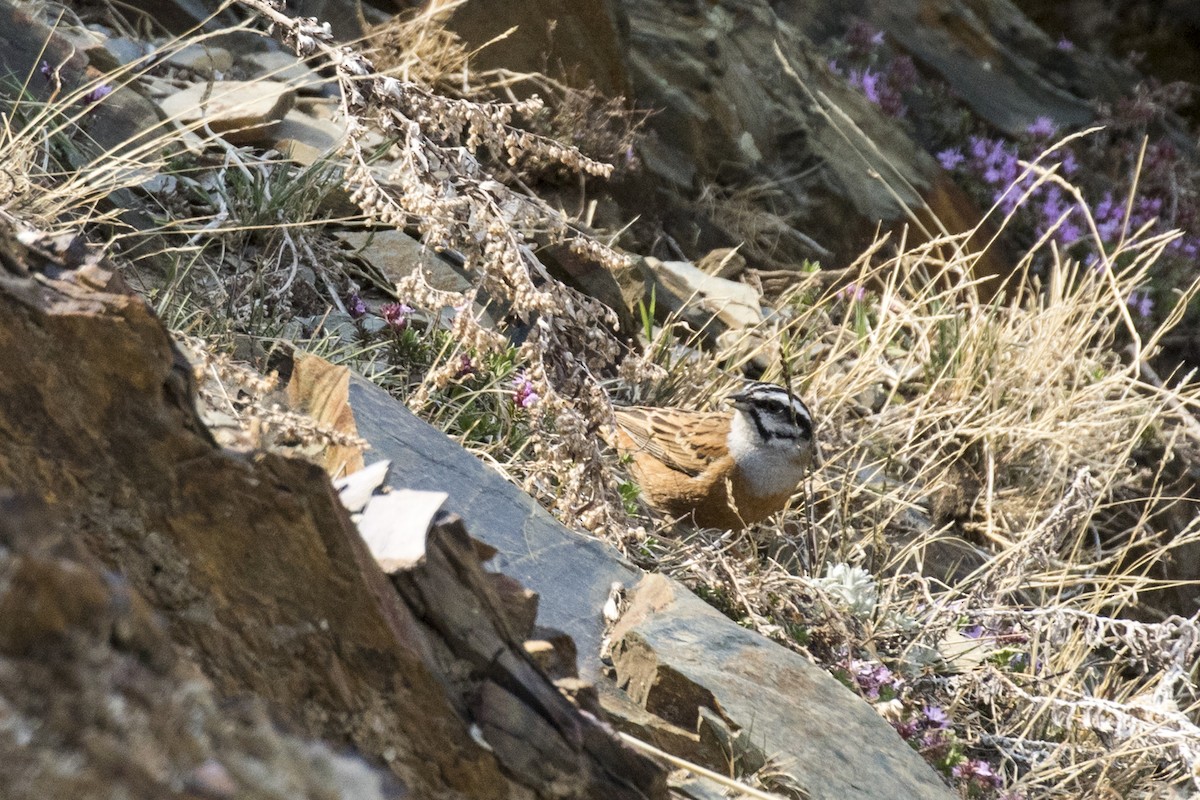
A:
(999, 467)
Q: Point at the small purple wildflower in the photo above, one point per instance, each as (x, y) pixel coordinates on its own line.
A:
(1142, 303)
(871, 677)
(1110, 218)
(852, 293)
(977, 771)
(936, 717)
(1064, 44)
(46, 70)
(355, 306)
(1041, 128)
(1070, 165)
(865, 81)
(1146, 209)
(396, 315)
(907, 729)
(97, 94)
(524, 395)
(1069, 232)
(1187, 247)
(950, 158)
(891, 102)
(466, 366)
(972, 631)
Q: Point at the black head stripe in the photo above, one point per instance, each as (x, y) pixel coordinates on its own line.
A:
(777, 413)
(756, 418)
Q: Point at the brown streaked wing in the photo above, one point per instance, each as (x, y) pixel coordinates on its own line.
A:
(685, 441)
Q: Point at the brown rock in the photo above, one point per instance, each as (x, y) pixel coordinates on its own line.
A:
(252, 563)
(89, 678)
(579, 43)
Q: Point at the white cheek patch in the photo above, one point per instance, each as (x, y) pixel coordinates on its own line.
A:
(773, 467)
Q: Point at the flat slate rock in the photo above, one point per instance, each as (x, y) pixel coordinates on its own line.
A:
(828, 741)
(571, 572)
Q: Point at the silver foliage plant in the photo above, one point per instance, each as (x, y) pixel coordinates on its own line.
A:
(438, 182)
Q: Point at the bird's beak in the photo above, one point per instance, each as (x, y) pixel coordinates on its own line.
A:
(739, 401)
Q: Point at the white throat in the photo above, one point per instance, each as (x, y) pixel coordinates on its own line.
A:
(771, 467)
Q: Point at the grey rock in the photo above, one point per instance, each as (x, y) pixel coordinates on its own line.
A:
(722, 311)
(571, 572)
(286, 68)
(241, 112)
(683, 658)
(307, 139)
(208, 60)
(125, 51)
(830, 742)
(396, 255)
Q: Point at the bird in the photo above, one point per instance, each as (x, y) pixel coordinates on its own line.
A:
(690, 464)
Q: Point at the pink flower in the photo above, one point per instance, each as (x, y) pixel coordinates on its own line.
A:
(524, 394)
(396, 315)
(852, 293)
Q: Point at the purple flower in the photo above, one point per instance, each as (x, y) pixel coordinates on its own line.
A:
(1069, 164)
(935, 717)
(870, 85)
(355, 306)
(1187, 247)
(465, 366)
(1069, 232)
(46, 70)
(524, 394)
(935, 742)
(890, 101)
(1041, 128)
(871, 677)
(907, 729)
(972, 631)
(852, 293)
(396, 315)
(977, 771)
(866, 81)
(1142, 303)
(97, 94)
(1146, 209)
(950, 158)
(1064, 44)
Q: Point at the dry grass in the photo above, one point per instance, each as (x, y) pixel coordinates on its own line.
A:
(1005, 465)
